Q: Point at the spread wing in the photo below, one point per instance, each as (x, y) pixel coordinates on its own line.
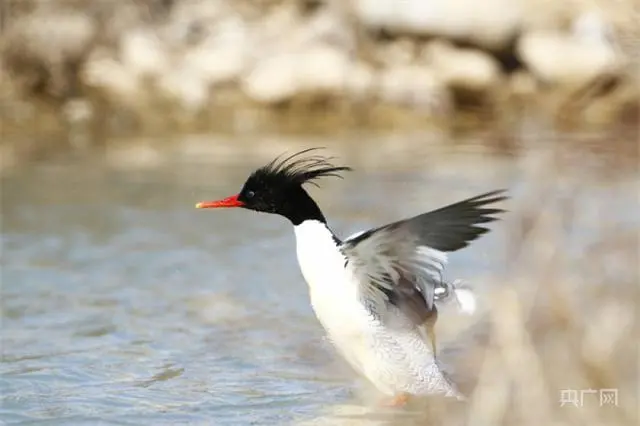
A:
(400, 264)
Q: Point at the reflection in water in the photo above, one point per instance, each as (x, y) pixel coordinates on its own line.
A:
(122, 303)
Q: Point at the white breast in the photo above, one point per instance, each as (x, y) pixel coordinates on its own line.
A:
(333, 292)
(334, 295)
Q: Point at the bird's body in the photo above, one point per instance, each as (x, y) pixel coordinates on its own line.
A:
(396, 358)
(375, 293)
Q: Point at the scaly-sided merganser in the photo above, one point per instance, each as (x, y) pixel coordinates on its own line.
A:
(374, 293)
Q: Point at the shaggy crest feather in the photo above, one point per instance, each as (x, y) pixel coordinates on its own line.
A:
(297, 170)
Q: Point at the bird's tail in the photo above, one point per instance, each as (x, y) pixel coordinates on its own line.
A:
(459, 292)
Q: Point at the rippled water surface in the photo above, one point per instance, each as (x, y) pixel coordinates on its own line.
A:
(122, 304)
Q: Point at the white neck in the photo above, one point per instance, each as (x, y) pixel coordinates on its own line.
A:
(318, 254)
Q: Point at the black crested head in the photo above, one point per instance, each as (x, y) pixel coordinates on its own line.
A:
(278, 187)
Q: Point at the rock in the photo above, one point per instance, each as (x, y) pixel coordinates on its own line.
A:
(78, 110)
(185, 69)
(462, 69)
(273, 80)
(274, 51)
(189, 20)
(318, 70)
(45, 51)
(574, 58)
(142, 53)
(117, 18)
(279, 30)
(215, 65)
(223, 55)
(328, 27)
(322, 70)
(360, 81)
(111, 78)
(398, 52)
(189, 89)
(522, 84)
(411, 85)
(491, 24)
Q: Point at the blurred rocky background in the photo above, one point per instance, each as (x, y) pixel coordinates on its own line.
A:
(93, 69)
(121, 303)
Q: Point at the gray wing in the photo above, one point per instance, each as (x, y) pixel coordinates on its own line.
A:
(401, 264)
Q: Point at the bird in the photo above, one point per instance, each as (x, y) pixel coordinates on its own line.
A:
(376, 292)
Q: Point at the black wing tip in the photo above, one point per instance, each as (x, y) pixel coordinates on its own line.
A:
(463, 220)
(474, 206)
(485, 199)
(489, 197)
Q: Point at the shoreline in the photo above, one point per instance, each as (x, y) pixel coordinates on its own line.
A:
(79, 73)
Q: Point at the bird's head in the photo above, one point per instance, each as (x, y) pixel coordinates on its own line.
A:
(278, 186)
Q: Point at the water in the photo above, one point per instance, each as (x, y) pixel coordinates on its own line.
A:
(122, 304)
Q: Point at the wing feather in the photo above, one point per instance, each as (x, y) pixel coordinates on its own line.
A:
(401, 264)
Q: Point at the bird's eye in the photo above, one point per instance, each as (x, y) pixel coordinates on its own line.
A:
(250, 194)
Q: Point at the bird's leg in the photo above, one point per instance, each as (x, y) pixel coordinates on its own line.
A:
(432, 338)
(430, 324)
(398, 400)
